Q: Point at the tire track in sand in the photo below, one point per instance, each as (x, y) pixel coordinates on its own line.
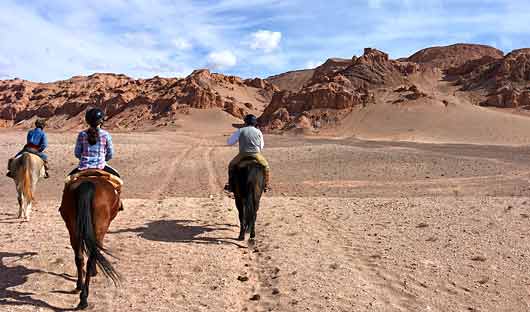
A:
(215, 186)
(170, 173)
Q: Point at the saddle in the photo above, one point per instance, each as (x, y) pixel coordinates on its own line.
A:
(72, 180)
(246, 161)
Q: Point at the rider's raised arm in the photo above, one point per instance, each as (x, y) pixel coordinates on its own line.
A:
(233, 138)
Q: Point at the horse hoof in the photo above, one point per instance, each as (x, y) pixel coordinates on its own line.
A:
(93, 273)
(82, 305)
(241, 237)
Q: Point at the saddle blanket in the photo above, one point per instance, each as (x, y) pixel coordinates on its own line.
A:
(116, 182)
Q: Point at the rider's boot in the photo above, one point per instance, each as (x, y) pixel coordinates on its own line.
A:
(9, 173)
(118, 190)
(46, 169)
(229, 187)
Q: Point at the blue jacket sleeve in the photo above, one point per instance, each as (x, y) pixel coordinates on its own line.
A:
(110, 149)
(43, 142)
(78, 147)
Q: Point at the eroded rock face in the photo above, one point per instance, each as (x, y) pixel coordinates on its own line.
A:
(330, 68)
(454, 55)
(292, 80)
(504, 82)
(338, 85)
(124, 98)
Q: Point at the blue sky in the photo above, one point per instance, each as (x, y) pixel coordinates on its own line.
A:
(47, 40)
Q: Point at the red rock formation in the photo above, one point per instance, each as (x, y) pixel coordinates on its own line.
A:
(504, 82)
(292, 80)
(124, 98)
(330, 68)
(454, 55)
(337, 86)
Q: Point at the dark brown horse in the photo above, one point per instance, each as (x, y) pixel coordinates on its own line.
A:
(88, 207)
(248, 188)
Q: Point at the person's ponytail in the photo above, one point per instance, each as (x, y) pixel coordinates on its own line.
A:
(93, 135)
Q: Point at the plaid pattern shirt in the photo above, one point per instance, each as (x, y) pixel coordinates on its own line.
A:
(94, 156)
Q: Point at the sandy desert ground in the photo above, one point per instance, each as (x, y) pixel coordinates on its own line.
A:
(350, 226)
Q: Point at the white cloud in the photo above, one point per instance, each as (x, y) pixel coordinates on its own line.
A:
(48, 40)
(221, 59)
(312, 64)
(265, 40)
(182, 44)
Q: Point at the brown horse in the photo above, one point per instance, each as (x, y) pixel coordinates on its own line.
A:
(248, 188)
(88, 207)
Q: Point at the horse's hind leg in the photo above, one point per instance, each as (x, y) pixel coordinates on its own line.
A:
(253, 229)
(242, 226)
(83, 302)
(79, 262)
(29, 205)
(254, 217)
(20, 205)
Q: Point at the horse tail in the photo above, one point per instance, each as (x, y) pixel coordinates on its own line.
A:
(85, 231)
(26, 178)
(253, 187)
(251, 212)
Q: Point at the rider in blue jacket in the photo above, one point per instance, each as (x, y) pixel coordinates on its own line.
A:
(36, 143)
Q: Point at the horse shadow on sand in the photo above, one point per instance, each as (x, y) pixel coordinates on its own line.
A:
(9, 218)
(183, 231)
(16, 275)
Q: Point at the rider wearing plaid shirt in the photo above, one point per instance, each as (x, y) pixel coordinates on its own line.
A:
(94, 156)
(94, 147)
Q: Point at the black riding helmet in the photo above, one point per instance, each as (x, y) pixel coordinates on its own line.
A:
(94, 117)
(251, 120)
(40, 123)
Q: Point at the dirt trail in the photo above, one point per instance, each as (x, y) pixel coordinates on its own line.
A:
(349, 226)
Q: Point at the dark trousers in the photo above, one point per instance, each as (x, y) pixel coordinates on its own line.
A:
(107, 169)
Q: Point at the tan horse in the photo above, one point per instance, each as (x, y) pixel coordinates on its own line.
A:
(27, 169)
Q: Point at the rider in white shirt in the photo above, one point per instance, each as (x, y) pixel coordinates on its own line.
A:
(251, 143)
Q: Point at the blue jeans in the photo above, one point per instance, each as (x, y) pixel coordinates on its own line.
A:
(33, 151)
(107, 169)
